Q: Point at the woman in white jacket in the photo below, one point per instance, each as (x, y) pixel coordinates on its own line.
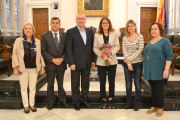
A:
(106, 34)
(27, 61)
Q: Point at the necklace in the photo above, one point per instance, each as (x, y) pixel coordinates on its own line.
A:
(150, 47)
(149, 50)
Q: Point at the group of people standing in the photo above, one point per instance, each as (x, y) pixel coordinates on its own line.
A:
(78, 46)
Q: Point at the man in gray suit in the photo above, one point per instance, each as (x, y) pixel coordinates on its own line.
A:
(79, 44)
(53, 51)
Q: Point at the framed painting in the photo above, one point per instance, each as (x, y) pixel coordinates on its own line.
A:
(94, 7)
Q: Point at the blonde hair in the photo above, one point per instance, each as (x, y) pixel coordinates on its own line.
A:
(100, 29)
(22, 31)
(126, 31)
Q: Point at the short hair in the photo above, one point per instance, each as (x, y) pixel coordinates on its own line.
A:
(161, 29)
(55, 18)
(22, 31)
(100, 29)
(80, 14)
(126, 30)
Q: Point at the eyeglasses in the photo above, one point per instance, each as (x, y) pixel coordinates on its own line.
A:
(105, 23)
(80, 19)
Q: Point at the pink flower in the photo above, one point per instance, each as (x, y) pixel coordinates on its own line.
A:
(106, 48)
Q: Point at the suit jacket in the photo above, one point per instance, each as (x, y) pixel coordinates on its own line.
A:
(77, 52)
(18, 55)
(49, 51)
(99, 40)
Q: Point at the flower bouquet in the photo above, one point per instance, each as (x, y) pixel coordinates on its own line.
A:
(106, 48)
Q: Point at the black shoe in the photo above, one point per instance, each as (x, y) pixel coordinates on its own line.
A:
(65, 105)
(26, 111)
(50, 106)
(103, 104)
(86, 104)
(136, 107)
(111, 104)
(128, 106)
(77, 106)
(33, 109)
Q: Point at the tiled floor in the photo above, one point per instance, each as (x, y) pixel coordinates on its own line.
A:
(94, 86)
(87, 114)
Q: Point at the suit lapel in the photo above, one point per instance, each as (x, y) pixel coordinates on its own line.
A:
(87, 36)
(61, 41)
(110, 37)
(51, 38)
(102, 39)
(78, 34)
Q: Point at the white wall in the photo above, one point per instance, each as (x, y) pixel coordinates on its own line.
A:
(68, 9)
(134, 9)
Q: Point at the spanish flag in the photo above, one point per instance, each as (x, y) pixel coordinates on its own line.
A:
(161, 13)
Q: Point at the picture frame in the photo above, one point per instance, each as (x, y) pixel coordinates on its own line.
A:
(94, 7)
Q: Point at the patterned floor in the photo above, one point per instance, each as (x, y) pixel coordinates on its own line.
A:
(88, 114)
(94, 86)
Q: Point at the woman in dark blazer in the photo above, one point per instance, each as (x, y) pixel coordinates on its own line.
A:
(106, 34)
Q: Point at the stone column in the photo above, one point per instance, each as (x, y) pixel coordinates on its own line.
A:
(3, 17)
(12, 17)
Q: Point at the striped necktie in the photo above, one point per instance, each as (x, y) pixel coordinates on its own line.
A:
(56, 41)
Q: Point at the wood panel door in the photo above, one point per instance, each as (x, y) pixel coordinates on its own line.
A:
(40, 21)
(148, 16)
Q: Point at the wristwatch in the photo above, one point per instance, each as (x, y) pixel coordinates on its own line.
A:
(62, 59)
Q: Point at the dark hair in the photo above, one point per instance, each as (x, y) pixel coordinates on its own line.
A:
(55, 18)
(161, 29)
(100, 29)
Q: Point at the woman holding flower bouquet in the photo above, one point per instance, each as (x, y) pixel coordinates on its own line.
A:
(106, 45)
(133, 44)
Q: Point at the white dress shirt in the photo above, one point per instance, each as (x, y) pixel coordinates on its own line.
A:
(83, 34)
(57, 35)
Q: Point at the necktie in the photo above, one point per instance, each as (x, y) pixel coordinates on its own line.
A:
(56, 41)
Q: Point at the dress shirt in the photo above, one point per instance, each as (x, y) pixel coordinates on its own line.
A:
(83, 34)
(57, 35)
(106, 38)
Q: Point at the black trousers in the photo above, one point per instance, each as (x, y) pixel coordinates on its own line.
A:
(75, 84)
(157, 92)
(50, 75)
(111, 79)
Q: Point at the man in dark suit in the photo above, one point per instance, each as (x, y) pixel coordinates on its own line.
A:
(53, 51)
(79, 44)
